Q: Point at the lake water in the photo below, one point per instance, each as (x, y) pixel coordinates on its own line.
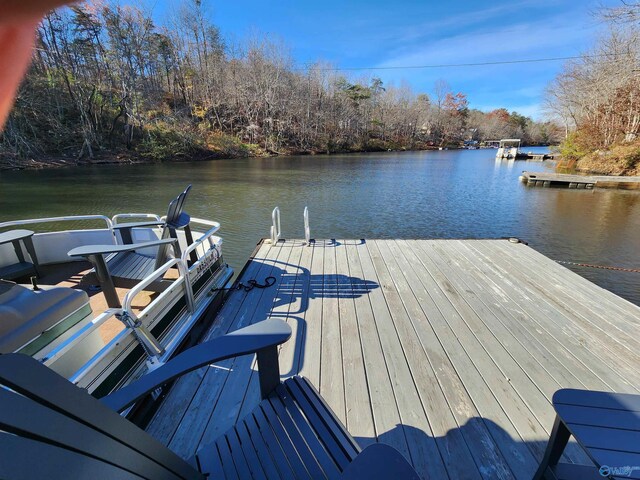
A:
(435, 194)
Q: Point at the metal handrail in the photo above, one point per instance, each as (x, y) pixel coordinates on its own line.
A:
(208, 223)
(80, 335)
(101, 354)
(276, 229)
(119, 313)
(131, 294)
(307, 230)
(118, 216)
(205, 236)
(71, 218)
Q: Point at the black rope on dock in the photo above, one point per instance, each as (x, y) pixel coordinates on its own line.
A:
(250, 285)
(603, 267)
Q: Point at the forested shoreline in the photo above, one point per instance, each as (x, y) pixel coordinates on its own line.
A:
(108, 85)
(597, 98)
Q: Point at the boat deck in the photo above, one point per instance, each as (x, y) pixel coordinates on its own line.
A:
(70, 275)
(448, 350)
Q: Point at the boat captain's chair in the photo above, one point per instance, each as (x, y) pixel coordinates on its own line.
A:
(127, 264)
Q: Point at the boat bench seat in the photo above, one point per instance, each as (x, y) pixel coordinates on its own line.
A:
(128, 268)
(26, 313)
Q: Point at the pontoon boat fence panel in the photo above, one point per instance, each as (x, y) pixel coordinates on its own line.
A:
(176, 335)
(168, 297)
(208, 236)
(70, 218)
(58, 242)
(139, 287)
(78, 337)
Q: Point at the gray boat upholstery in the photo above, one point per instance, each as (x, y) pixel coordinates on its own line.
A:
(26, 313)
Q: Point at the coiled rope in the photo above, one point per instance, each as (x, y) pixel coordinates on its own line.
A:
(250, 285)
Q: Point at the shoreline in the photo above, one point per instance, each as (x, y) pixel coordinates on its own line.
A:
(116, 158)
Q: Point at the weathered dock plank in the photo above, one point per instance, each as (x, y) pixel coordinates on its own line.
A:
(331, 370)
(541, 317)
(549, 179)
(448, 350)
(380, 385)
(406, 356)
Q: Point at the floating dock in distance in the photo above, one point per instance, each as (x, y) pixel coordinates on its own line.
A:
(543, 179)
(536, 156)
(448, 350)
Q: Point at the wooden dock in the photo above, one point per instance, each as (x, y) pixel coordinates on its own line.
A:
(449, 350)
(539, 156)
(544, 179)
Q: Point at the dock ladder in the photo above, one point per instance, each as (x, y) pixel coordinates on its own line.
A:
(276, 229)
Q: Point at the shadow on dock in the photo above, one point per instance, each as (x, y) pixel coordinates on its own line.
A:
(478, 449)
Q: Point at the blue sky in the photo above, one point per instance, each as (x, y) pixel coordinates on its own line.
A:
(408, 32)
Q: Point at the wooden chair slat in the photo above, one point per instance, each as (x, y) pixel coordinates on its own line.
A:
(239, 458)
(272, 444)
(209, 461)
(329, 467)
(286, 443)
(607, 438)
(591, 398)
(598, 417)
(307, 454)
(249, 426)
(228, 466)
(337, 428)
(250, 452)
(324, 431)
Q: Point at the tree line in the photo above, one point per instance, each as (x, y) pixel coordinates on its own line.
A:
(597, 97)
(106, 79)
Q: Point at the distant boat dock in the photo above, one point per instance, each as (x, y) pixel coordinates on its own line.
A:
(509, 148)
(543, 179)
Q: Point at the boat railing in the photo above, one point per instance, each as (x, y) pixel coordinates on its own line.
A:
(79, 336)
(206, 223)
(134, 326)
(71, 218)
(153, 276)
(206, 236)
(208, 253)
(128, 216)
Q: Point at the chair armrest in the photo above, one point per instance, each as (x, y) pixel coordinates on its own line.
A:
(152, 223)
(252, 339)
(87, 250)
(379, 462)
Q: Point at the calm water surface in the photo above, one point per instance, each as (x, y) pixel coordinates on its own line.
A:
(447, 194)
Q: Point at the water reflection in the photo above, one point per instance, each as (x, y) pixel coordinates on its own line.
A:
(441, 194)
